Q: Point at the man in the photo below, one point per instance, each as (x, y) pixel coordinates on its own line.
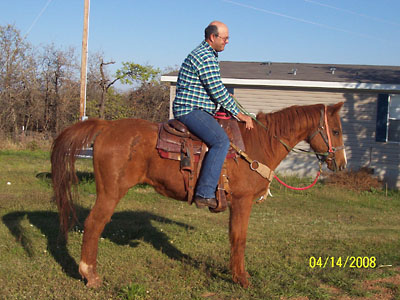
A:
(199, 94)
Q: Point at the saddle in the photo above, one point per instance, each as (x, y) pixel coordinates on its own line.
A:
(176, 142)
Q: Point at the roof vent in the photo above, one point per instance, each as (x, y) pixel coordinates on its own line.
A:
(332, 69)
(294, 71)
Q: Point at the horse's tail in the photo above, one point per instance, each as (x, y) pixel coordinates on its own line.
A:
(63, 156)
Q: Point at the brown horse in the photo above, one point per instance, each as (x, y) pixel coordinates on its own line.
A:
(124, 154)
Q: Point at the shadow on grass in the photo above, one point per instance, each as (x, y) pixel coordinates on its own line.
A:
(47, 223)
(82, 176)
(125, 228)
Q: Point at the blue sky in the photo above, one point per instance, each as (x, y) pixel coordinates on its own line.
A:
(162, 32)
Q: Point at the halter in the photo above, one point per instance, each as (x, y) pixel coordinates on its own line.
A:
(324, 131)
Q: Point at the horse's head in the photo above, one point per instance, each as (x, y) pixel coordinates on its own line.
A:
(327, 139)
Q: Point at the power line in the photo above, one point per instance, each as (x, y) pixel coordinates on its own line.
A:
(29, 30)
(304, 20)
(353, 12)
(37, 19)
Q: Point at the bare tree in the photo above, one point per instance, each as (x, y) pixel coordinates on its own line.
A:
(105, 85)
(60, 88)
(99, 77)
(17, 74)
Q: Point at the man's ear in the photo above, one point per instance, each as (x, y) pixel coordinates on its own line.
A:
(212, 37)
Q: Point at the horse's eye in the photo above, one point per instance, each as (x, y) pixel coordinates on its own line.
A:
(336, 132)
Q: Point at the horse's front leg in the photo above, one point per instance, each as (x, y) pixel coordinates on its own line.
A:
(238, 223)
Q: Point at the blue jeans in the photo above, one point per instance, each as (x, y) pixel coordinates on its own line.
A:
(203, 125)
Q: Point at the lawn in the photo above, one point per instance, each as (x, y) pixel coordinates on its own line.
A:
(323, 243)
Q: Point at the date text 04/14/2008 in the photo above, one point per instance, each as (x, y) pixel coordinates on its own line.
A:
(355, 262)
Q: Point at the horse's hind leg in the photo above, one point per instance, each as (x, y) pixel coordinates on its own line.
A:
(94, 225)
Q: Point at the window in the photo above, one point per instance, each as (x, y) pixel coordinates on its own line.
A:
(388, 118)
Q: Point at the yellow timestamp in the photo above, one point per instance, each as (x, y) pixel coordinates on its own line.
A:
(355, 262)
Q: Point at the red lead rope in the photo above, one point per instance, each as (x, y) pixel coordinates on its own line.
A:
(330, 150)
(298, 189)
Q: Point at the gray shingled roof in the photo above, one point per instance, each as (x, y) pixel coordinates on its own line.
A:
(309, 72)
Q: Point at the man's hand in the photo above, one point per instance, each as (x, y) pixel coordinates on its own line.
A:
(247, 119)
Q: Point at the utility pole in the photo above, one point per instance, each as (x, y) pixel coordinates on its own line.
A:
(82, 114)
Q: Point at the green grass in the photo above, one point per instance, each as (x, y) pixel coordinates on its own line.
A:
(159, 248)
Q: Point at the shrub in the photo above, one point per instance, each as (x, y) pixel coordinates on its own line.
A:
(361, 180)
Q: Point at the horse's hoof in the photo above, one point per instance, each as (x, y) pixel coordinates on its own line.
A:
(94, 283)
(88, 272)
(242, 280)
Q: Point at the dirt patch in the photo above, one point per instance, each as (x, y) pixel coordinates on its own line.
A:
(386, 288)
(382, 289)
(361, 180)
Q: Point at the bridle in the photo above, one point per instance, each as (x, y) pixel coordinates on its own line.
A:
(324, 131)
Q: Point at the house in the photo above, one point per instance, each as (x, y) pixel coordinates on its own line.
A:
(370, 115)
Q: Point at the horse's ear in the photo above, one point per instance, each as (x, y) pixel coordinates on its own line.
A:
(336, 107)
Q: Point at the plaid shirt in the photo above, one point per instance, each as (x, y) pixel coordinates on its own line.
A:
(199, 84)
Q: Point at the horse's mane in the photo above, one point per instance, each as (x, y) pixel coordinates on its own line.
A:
(290, 120)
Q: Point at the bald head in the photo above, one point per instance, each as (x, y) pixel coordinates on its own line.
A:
(214, 28)
(217, 35)
(218, 24)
